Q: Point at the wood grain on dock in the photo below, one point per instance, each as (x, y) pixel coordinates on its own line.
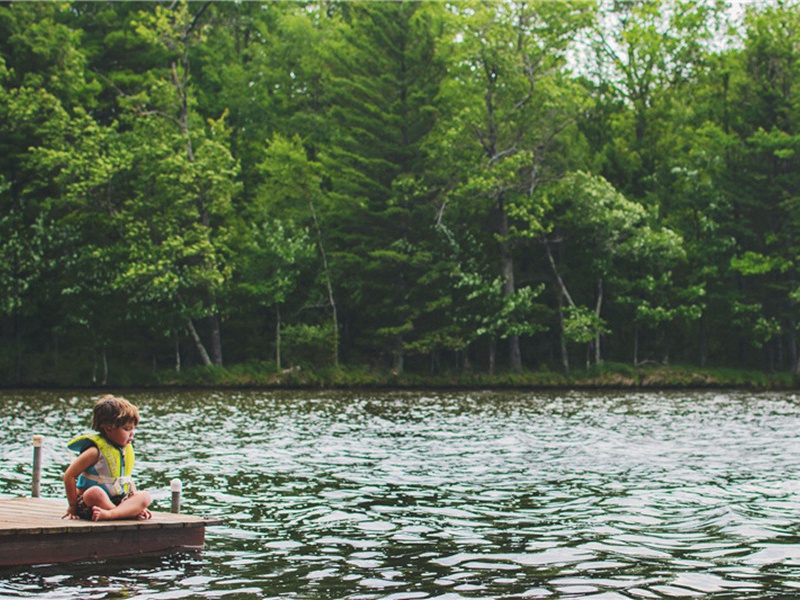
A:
(32, 531)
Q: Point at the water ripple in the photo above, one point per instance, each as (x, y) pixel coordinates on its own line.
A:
(447, 496)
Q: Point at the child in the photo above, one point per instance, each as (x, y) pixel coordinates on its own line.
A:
(98, 483)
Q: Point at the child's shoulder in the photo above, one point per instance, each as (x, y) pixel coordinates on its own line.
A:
(83, 442)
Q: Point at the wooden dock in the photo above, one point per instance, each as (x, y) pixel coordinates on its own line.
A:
(33, 532)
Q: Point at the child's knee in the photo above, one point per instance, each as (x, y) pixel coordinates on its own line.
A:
(94, 496)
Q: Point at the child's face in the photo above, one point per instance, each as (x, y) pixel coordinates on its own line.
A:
(122, 435)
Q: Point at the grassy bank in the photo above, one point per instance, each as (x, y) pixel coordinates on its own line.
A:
(607, 376)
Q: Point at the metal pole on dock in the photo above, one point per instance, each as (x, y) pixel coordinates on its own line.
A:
(37, 464)
(176, 486)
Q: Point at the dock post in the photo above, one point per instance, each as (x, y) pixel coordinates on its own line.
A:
(37, 465)
(175, 485)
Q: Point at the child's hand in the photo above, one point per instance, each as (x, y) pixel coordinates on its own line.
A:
(70, 514)
(145, 514)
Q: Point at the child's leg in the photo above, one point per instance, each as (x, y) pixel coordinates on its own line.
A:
(96, 496)
(135, 506)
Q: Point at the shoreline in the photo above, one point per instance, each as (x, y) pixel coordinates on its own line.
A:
(605, 377)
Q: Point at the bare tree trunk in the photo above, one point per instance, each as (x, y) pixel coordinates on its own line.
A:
(636, 345)
(19, 361)
(399, 357)
(277, 337)
(56, 353)
(467, 366)
(562, 338)
(597, 355)
(492, 355)
(703, 341)
(561, 294)
(509, 287)
(104, 360)
(181, 83)
(201, 349)
(103, 367)
(435, 364)
(216, 339)
(331, 300)
(793, 347)
(560, 282)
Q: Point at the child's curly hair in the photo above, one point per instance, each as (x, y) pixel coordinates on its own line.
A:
(112, 411)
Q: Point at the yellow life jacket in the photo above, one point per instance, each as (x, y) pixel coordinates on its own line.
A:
(112, 471)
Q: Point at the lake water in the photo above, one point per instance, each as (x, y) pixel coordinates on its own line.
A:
(443, 495)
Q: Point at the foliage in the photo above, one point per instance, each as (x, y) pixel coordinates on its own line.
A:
(395, 193)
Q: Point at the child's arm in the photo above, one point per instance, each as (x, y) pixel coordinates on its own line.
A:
(82, 462)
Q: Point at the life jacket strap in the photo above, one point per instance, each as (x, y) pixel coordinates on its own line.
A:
(117, 483)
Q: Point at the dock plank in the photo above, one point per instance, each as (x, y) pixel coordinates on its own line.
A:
(32, 531)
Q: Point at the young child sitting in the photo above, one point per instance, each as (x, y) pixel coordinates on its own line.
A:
(98, 482)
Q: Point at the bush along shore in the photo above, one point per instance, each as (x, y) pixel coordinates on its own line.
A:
(607, 376)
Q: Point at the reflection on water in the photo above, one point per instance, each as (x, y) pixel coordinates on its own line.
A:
(444, 495)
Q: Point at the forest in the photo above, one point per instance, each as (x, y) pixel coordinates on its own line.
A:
(400, 187)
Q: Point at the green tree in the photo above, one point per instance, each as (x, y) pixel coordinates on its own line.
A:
(385, 74)
(764, 170)
(206, 180)
(273, 260)
(43, 85)
(656, 142)
(292, 186)
(609, 245)
(263, 64)
(509, 103)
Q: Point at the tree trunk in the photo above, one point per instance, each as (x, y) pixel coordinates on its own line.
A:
(793, 347)
(703, 341)
(56, 353)
(103, 367)
(467, 366)
(435, 365)
(636, 345)
(399, 357)
(562, 287)
(331, 300)
(277, 337)
(216, 339)
(18, 359)
(201, 349)
(561, 336)
(104, 359)
(597, 354)
(492, 355)
(562, 293)
(181, 84)
(515, 356)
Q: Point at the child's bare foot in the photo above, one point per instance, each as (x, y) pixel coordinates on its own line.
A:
(100, 514)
